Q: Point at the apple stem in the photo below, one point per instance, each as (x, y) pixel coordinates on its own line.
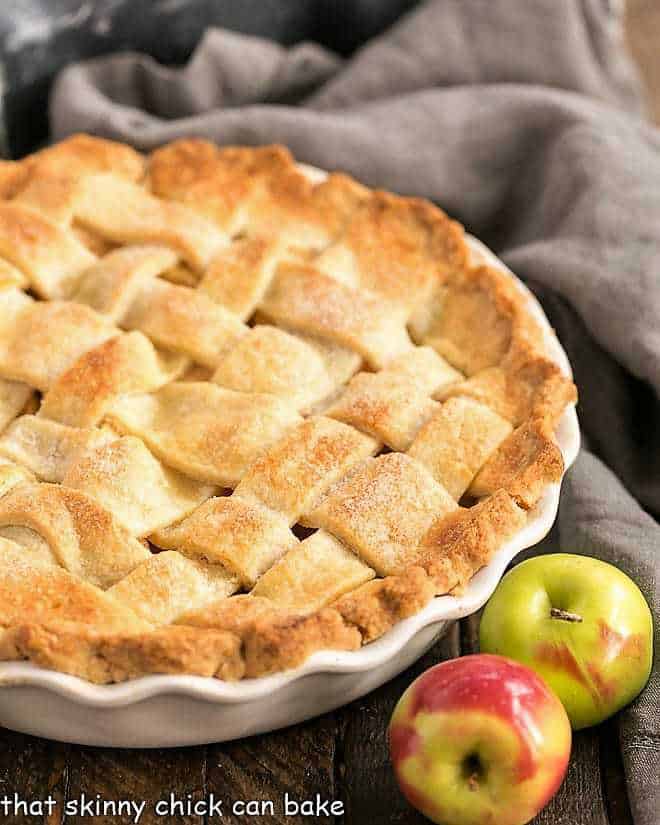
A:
(564, 615)
(473, 771)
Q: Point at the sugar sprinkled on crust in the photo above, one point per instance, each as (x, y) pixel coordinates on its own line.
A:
(221, 350)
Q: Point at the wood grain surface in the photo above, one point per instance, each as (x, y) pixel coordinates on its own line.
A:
(341, 756)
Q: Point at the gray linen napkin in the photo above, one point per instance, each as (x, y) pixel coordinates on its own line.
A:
(521, 119)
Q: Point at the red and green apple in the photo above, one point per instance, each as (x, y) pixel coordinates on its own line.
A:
(580, 623)
(479, 740)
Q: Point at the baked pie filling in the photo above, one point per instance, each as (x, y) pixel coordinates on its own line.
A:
(245, 416)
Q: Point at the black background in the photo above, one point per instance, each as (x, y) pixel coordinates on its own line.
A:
(38, 37)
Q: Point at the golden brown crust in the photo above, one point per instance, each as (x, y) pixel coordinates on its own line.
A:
(243, 536)
(382, 509)
(456, 441)
(83, 154)
(34, 588)
(508, 371)
(313, 574)
(461, 543)
(285, 642)
(254, 191)
(523, 465)
(375, 607)
(102, 657)
(298, 469)
(12, 177)
(274, 638)
(214, 181)
(397, 247)
(83, 537)
(49, 181)
(343, 276)
(524, 386)
(233, 615)
(124, 364)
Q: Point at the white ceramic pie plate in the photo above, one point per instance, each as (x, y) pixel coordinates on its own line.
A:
(164, 711)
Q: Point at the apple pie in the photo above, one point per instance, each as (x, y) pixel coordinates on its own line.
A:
(246, 415)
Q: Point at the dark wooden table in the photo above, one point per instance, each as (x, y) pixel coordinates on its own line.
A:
(341, 756)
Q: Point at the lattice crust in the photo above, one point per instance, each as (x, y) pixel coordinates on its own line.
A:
(255, 191)
(203, 356)
(125, 288)
(365, 510)
(475, 299)
(312, 575)
(165, 585)
(34, 592)
(398, 248)
(51, 257)
(455, 546)
(301, 370)
(82, 395)
(14, 397)
(393, 404)
(39, 340)
(125, 213)
(10, 276)
(203, 430)
(454, 444)
(48, 448)
(291, 476)
(525, 386)
(113, 284)
(245, 537)
(239, 275)
(306, 300)
(523, 465)
(124, 477)
(12, 474)
(69, 529)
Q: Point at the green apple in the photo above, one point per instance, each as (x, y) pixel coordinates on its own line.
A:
(580, 623)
